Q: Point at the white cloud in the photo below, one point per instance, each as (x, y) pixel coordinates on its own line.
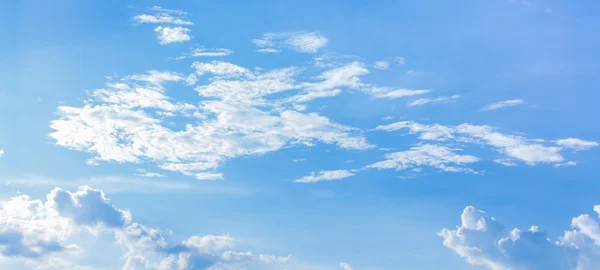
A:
(325, 176)
(576, 144)
(502, 104)
(512, 146)
(124, 123)
(381, 64)
(268, 50)
(167, 35)
(436, 156)
(565, 164)
(306, 42)
(1, 153)
(144, 173)
(400, 60)
(481, 240)
(298, 160)
(423, 101)
(163, 15)
(206, 52)
(345, 266)
(219, 68)
(41, 234)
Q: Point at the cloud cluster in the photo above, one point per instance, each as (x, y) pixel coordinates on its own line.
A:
(305, 42)
(483, 241)
(512, 147)
(40, 234)
(163, 16)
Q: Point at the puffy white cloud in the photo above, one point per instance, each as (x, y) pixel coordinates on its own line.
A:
(168, 35)
(435, 156)
(481, 240)
(423, 101)
(40, 234)
(1, 153)
(512, 146)
(576, 144)
(502, 104)
(381, 64)
(345, 266)
(306, 42)
(325, 176)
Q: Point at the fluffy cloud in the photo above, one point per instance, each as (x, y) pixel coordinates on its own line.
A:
(481, 240)
(513, 147)
(1, 153)
(306, 42)
(577, 144)
(124, 122)
(168, 35)
(40, 234)
(325, 176)
(502, 104)
(439, 157)
(345, 266)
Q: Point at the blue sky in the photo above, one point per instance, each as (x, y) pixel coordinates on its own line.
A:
(299, 135)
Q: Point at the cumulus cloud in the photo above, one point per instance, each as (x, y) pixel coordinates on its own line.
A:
(513, 147)
(325, 176)
(436, 156)
(423, 101)
(41, 234)
(503, 104)
(305, 42)
(483, 241)
(168, 35)
(345, 266)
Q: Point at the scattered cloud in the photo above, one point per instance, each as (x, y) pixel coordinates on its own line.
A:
(436, 156)
(513, 147)
(325, 176)
(577, 144)
(123, 122)
(483, 241)
(163, 16)
(387, 118)
(1, 153)
(423, 101)
(168, 35)
(144, 173)
(205, 52)
(400, 60)
(268, 50)
(298, 160)
(381, 64)
(565, 164)
(503, 104)
(305, 42)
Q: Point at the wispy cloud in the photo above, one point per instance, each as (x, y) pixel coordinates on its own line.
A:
(381, 64)
(503, 104)
(423, 101)
(205, 52)
(305, 42)
(325, 176)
